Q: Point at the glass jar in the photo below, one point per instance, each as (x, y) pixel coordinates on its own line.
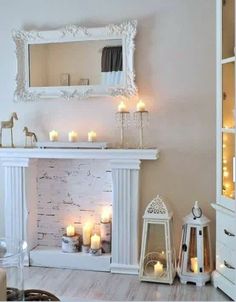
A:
(12, 254)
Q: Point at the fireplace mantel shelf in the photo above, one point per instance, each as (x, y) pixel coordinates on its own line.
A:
(35, 153)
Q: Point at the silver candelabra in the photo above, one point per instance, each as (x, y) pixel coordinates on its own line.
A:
(123, 119)
(141, 119)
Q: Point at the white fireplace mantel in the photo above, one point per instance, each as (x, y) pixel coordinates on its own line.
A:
(136, 154)
(21, 194)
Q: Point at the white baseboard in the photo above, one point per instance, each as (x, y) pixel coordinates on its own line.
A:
(124, 269)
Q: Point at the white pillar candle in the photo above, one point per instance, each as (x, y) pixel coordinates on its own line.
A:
(122, 107)
(194, 264)
(72, 136)
(92, 136)
(87, 230)
(95, 242)
(106, 216)
(158, 268)
(53, 136)
(70, 230)
(140, 106)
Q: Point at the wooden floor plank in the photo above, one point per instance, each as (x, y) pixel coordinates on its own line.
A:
(74, 285)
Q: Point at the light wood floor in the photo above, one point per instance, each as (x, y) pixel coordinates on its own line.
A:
(74, 285)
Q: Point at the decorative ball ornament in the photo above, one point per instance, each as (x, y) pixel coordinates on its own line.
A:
(157, 261)
(195, 259)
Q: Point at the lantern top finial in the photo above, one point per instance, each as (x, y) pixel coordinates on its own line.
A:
(196, 210)
(196, 217)
(157, 209)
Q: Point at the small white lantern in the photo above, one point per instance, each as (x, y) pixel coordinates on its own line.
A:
(195, 261)
(157, 261)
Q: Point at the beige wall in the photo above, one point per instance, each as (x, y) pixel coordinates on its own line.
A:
(175, 67)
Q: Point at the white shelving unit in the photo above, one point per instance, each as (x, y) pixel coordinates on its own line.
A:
(224, 277)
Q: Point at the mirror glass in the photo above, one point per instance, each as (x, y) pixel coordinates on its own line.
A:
(96, 62)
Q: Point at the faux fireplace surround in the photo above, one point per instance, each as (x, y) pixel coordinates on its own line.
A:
(20, 168)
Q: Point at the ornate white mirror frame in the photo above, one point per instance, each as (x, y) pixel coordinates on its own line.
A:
(73, 33)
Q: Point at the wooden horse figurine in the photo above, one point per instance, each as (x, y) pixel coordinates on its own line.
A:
(31, 135)
(8, 125)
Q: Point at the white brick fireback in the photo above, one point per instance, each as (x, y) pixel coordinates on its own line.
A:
(70, 192)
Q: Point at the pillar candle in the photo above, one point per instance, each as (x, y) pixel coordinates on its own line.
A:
(158, 268)
(87, 230)
(95, 242)
(53, 136)
(194, 264)
(105, 216)
(122, 107)
(140, 106)
(72, 136)
(70, 230)
(92, 136)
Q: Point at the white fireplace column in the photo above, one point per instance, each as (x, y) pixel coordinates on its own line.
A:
(20, 197)
(125, 174)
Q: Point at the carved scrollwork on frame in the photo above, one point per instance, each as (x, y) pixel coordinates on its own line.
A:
(74, 30)
(73, 33)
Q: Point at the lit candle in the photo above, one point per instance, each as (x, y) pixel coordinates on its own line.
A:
(87, 230)
(194, 264)
(158, 268)
(95, 242)
(53, 136)
(140, 106)
(105, 217)
(122, 107)
(92, 136)
(70, 230)
(72, 136)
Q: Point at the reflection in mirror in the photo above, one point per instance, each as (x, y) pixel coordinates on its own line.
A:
(76, 63)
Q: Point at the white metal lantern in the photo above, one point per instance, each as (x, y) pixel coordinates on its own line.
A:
(157, 261)
(195, 260)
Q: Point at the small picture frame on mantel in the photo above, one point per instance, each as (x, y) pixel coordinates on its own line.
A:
(64, 79)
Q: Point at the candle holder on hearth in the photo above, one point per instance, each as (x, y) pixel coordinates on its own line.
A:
(123, 120)
(95, 252)
(70, 244)
(85, 248)
(141, 119)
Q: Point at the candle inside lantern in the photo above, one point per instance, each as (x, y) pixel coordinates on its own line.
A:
(122, 107)
(140, 106)
(70, 230)
(72, 136)
(95, 242)
(87, 230)
(53, 136)
(105, 217)
(92, 136)
(194, 264)
(158, 268)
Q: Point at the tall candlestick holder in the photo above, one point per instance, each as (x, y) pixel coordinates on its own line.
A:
(141, 119)
(123, 119)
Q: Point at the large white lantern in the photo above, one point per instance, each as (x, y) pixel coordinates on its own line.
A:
(195, 260)
(157, 261)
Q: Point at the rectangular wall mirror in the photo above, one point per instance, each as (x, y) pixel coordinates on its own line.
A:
(75, 62)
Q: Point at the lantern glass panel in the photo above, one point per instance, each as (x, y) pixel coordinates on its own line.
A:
(207, 264)
(155, 263)
(192, 254)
